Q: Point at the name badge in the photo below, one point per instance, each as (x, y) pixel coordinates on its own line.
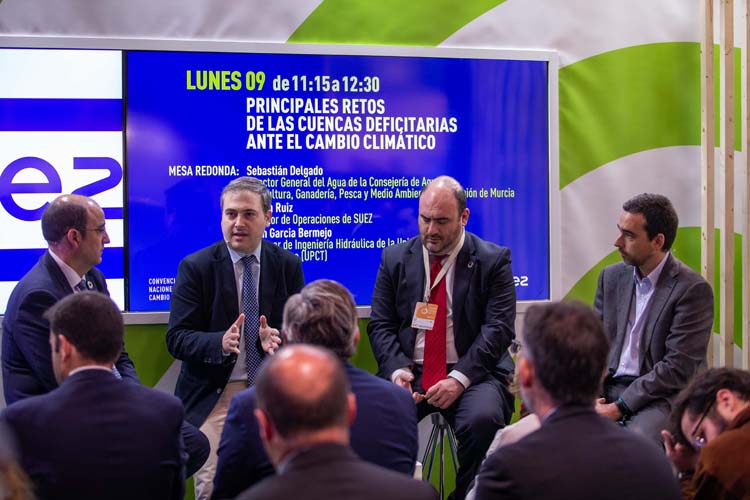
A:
(424, 316)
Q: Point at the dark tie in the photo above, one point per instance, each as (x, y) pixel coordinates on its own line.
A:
(253, 358)
(434, 369)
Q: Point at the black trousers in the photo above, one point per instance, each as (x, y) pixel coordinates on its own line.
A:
(196, 447)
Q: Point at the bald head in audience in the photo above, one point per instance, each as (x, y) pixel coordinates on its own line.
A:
(303, 399)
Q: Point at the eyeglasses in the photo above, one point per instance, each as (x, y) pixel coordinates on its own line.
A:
(700, 441)
(98, 230)
(515, 347)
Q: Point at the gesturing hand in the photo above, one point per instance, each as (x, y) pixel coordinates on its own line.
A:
(270, 339)
(230, 342)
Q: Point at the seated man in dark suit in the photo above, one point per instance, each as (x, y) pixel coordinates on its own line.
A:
(75, 230)
(443, 313)
(385, 430)
(95, 437)
(304, 411)
(575, 453)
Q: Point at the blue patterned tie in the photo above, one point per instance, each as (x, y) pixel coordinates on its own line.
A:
(253, 358)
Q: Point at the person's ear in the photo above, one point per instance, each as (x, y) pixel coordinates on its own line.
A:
(726, 400)
(658, 241)
(351, 403)
(525, 372)
(64, 347)
(356, 337)
(465, 216)
(267, 431)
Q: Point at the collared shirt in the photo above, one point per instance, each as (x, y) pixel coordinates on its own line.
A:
(451, 355)
(643, 290)
(239, 372)
(89, 367)
(70, 275)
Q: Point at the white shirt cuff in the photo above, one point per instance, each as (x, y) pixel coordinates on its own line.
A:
(401, 371)
(461, 378)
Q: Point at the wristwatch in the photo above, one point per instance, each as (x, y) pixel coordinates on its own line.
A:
(623, 407)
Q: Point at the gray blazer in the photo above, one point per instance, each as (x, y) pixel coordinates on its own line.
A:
(675, 335)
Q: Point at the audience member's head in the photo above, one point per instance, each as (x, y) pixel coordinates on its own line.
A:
(323, 313)
(302, 399)
(75, 229)
(14, 483)
(85, 329)
(706, 407)
(659, 214)
(563, 358)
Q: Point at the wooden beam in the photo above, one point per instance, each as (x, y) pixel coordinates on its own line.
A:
(726, 280)
(745, 181)
(708, 145)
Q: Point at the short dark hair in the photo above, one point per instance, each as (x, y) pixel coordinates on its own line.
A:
(659, 213)
(91, 322)
(61, 215)
(458, 191)
(251, 184)
(323, 313)
(701, 392)
(567, 345)
(291, 407)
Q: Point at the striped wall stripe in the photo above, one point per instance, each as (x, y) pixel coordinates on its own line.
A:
(390, 22)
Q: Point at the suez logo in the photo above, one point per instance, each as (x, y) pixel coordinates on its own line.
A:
(8, 188)
(521, 280)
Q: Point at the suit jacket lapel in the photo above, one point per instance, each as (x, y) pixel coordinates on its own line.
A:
(224, 269)
(412, 287)
(465, 265)
(414, 277)
(269, 263)
(662, 291)
(624, 298)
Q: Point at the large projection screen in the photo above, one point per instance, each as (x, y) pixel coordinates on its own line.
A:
(345, 137)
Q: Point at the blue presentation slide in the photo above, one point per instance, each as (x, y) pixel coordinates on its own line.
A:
(344, 143)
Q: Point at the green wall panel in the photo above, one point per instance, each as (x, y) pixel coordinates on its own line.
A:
(388, 22)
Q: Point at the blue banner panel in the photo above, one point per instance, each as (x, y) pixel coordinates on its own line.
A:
(345, 143)
(61, 115)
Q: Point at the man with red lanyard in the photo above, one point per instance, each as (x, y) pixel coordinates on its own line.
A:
(443, 313)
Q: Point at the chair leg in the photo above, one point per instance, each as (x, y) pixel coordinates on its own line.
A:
(441, 435)
(429, 452)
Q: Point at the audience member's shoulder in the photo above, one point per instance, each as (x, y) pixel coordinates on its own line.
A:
(27, 406)
(153, 397)
(395, 485)
(361, 379)
(244, 398)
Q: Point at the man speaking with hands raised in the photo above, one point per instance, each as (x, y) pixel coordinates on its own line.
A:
(226, 307)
